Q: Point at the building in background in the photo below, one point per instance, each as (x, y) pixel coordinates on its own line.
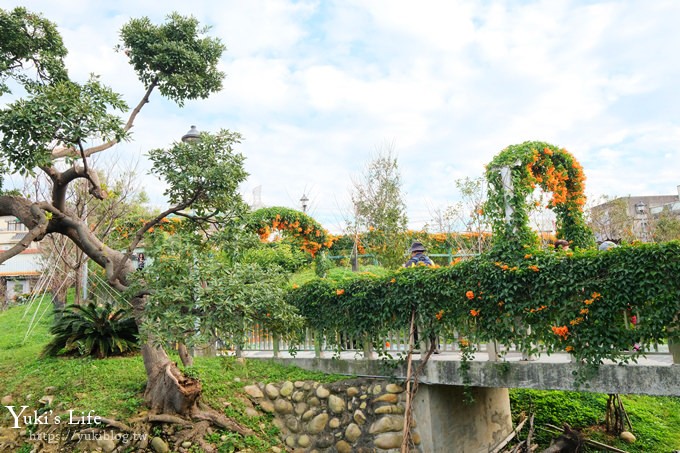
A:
(632, 217)
(19, 273)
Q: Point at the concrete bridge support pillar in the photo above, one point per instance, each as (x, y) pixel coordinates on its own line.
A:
(447, 424)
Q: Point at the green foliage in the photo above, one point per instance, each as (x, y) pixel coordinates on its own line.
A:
(322, 265)
(175, 56)
(666, 228)
(199, 294)
(576, 301)
(294, 226)
(579, 409)
(204, 174)
(279, 254)
(532, 164)
(64, 112)
(338, 275)
(28, 40)
(380, 208)
(654, 419)
(92, 330)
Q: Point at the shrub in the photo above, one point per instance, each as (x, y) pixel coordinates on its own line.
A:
(322, 265)
(92, 330)
(277, 254)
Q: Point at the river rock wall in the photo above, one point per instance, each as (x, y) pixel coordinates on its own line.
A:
(349, 416)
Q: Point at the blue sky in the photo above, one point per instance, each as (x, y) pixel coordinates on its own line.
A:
(316, 87)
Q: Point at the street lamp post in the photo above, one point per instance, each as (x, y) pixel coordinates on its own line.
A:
(191, 136)
(641, 218)
(304, 201)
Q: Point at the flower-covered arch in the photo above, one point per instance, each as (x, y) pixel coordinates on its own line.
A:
(303, 230)
(514, 174)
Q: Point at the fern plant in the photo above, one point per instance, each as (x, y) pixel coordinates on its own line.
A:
(92, 330)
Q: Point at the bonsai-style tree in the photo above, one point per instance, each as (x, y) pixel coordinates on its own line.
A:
(59, 124)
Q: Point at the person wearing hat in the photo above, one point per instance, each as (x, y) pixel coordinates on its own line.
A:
(418, 256)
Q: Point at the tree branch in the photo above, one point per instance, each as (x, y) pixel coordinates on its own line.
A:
(203, 218)
(77, 230)
(61, 180)
(30, 215)
(72, 152)
(151, 223)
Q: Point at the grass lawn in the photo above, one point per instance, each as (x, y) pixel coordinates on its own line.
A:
(655, 420)
(114, 387)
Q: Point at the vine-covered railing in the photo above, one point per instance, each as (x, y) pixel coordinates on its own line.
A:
(595, 305)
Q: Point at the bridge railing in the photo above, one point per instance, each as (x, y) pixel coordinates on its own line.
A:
(261, 339)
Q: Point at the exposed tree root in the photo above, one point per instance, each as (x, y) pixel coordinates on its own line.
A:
(209, 414)
(116, 424)
(165, 418)
(195, 427)
(197, 435)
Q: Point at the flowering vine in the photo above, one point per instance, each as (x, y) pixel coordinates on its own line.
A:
(531, 165)
(302, 229)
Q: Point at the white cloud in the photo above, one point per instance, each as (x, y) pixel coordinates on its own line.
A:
(316, 86)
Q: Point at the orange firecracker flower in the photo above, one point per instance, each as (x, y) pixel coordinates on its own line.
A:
(387, 344)
(474, 312)
(394, 280)
(339, 292)
(569, 348)
(470, 295)
(534, 268)
(562, 331)
(439, 315)
(295, 286)
(463, 343)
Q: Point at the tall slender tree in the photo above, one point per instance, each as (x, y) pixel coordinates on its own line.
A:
(379, 207)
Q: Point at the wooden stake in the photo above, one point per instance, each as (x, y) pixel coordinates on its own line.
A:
(407, 411)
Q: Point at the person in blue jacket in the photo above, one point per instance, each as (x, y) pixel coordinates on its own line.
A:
(418, 256)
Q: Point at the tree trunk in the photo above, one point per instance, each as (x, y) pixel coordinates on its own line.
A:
(78, 299)
(184, 355)
(59, 292)
(168, 391)
(57, 301)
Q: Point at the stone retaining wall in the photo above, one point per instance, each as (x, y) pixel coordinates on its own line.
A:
(350, 416)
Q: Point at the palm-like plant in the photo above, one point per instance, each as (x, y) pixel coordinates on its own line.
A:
(92, 330)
